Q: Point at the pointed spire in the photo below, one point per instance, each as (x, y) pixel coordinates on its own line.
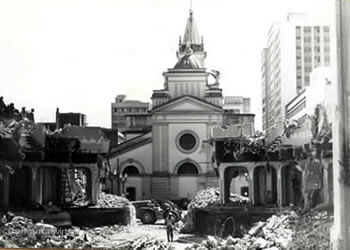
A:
(191, 32)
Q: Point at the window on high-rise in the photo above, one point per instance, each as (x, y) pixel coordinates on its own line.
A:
(308, 69)
(316, 29)
(307, 59)
(307, 49)
(306, 80)
(299, 83)
(327, 59)
(307, 39)
(307, 29)
(326, 29)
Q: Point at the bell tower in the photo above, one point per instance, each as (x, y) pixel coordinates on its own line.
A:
(189, 76)
(192, 40)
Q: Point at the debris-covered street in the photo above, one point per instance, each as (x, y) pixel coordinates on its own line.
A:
(285, 231)
(125, 125)
(22, 232)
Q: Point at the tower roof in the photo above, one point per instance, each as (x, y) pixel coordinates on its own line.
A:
(191, 33)
(188, 62)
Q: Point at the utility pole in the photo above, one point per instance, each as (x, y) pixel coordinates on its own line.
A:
(340, 233)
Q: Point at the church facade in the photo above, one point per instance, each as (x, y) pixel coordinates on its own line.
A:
(173, 161)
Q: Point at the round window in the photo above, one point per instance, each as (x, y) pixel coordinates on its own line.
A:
(187, 141)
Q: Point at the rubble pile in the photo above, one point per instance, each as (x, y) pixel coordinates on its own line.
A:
(111, 201)
(211, 197)
(312, 230)
(101, 236)
(142, 242)
(22, 232)
(273, 234)
(204, 198)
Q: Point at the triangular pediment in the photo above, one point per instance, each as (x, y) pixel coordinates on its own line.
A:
(187, 104)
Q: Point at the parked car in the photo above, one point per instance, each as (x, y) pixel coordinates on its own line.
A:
(148, 211)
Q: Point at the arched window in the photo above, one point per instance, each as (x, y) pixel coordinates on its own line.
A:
(188, 169)
(131, 170)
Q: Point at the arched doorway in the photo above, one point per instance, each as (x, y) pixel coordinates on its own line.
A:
(80, 184)
(21, 187)
(236, 181)
(291, 185)
(265, 185)
(50, 185)
(187, 168)
(131, 170)
(133, 184)
(188, 180)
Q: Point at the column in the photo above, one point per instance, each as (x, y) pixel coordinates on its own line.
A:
(279, 185)
(35, 183)
(251, 185)
(6, 189)
(222, 184)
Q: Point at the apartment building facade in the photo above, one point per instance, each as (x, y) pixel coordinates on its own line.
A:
(295, 47)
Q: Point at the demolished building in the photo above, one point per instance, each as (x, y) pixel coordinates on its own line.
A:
(44, 169)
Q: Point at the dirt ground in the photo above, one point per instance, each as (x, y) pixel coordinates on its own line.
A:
(181, 241)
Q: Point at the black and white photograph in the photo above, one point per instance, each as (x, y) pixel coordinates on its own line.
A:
(175, 124)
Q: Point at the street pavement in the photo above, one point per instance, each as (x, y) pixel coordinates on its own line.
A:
(181, 241)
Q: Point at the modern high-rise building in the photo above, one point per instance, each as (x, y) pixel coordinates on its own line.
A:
(294, 48)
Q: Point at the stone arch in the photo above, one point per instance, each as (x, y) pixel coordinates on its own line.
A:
(132, 162)
(50, 182)
(292, 180)
(131, 170)
(187, 161)
(232, 173)
(57, 183)
(265, 185)
(21, 187)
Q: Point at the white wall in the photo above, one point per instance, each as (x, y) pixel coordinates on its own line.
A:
(199, 155)
(138, 156)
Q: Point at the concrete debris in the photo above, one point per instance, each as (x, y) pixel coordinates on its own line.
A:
(211, 197)
(206, 198)
(257, 228)
(312, 231)
(283, 231)
(23, 232)
(142, 242)
(111, 201)
(275, 233)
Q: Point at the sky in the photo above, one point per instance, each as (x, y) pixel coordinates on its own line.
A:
(78, 55)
